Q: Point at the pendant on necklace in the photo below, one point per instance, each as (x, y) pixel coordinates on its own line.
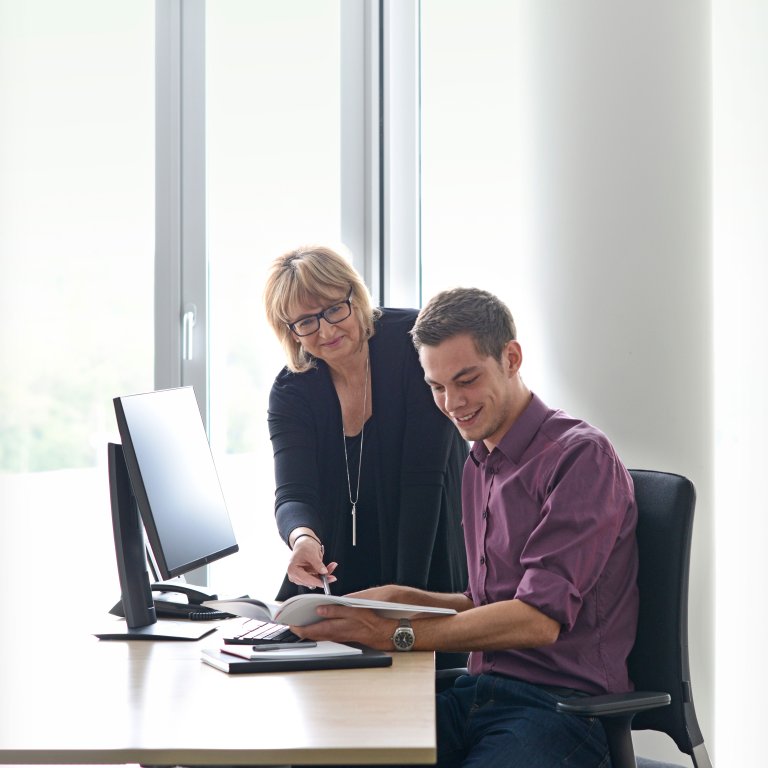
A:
(352, 501)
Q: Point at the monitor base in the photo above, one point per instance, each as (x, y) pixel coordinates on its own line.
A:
(160, 630)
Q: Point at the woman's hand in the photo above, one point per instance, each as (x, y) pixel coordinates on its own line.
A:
(306, 564)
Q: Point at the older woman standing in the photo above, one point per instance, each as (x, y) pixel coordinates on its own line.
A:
(367, 470)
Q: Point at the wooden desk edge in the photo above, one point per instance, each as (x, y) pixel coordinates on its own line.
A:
(175, 756)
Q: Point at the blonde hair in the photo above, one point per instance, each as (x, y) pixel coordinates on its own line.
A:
(308, 275)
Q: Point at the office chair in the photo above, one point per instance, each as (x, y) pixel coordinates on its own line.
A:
(658, 663)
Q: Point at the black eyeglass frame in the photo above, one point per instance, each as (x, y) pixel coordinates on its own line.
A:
(318, 316)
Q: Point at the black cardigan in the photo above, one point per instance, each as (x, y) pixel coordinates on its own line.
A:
(420, 462)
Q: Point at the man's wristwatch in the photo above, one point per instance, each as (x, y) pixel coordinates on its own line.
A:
(404, 636)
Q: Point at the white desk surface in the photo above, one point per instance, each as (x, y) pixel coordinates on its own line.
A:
(71, 698)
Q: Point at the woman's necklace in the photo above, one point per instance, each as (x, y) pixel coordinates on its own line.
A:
(352, 501)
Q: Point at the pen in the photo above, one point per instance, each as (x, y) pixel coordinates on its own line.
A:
(297, 646)
(326, 588)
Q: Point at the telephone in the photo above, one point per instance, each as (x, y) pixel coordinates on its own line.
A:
(168, 605)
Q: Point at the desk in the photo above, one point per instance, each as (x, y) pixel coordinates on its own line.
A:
(76, 699)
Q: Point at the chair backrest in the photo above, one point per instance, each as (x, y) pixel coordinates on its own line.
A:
(659, 659)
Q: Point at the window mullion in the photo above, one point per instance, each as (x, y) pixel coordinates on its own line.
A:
(360, 137)
(400, 153)
(181, 293)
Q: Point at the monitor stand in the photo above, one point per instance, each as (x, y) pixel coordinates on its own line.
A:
(160, 630)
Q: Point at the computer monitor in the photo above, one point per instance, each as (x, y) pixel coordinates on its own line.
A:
(163, 481)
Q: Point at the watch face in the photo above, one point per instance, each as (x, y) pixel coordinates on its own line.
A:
(403, 638)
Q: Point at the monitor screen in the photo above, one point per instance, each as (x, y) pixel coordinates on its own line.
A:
(174, 479)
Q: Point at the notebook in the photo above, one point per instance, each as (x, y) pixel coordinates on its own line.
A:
(272, 662)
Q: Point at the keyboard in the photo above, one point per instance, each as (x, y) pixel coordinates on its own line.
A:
(252, 631)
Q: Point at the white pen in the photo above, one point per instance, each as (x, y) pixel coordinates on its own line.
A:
(326, 588)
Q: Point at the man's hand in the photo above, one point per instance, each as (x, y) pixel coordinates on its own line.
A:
(350, 625)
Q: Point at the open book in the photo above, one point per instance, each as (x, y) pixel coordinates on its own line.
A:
(301, 610)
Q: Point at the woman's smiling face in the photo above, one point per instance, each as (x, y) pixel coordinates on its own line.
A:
(332, 342)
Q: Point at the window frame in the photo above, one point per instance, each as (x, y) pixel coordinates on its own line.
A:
(379, 122)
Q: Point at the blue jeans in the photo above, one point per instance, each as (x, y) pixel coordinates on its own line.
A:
(490, 721)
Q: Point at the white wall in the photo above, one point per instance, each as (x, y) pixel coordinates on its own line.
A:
(740, 133)
(616, 146)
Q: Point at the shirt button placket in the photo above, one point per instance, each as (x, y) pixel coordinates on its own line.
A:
(490, 474)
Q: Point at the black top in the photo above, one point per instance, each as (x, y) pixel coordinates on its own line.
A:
(360, 566)
(409, 509)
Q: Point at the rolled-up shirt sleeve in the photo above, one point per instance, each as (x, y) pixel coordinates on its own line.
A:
(584, 508)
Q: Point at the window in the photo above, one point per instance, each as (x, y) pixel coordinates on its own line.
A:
(274, 161)
(76, 265)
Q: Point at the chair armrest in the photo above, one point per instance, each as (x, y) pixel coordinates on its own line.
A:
(614, 704)
(445, 678)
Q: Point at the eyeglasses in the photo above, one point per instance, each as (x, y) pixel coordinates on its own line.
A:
(310, 324)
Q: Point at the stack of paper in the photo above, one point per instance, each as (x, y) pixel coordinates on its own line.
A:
(235, 659)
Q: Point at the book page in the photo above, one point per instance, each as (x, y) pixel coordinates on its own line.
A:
(301, 610)
(248, 607)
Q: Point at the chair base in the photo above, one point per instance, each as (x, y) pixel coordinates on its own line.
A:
(701, 757)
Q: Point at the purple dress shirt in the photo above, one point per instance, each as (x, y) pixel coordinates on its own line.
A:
(549, 519)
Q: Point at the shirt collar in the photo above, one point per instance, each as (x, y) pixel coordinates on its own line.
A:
(519, 435)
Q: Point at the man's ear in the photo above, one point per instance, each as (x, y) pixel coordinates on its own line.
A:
(513, 357)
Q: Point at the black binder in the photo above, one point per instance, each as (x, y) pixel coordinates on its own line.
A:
(233, 665)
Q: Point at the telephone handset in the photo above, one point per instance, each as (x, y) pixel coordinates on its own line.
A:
(168, 605)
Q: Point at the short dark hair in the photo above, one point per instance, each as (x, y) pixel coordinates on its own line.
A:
(465, 310)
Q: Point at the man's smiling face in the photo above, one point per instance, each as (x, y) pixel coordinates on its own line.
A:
(477, 393)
